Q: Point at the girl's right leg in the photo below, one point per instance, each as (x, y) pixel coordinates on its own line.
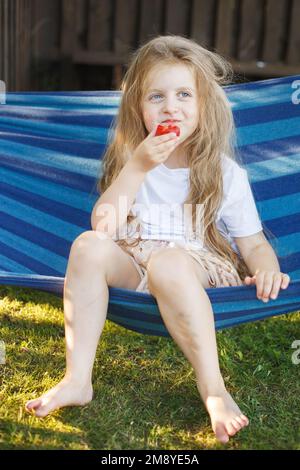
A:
(93, 265)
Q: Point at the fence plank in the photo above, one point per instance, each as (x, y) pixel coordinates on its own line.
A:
(82, 56)
(177, 17)
(13, 52)
(274, 30)
(81, 22)
(125, 28)
(6, 52)
(268, 70)
(203, 22)
(251, 21)
(1, 40)
(293, 50)
(68, 38)
(100, 25)
(150, 20)
(68, 44)
(227, 16)
(22, 55)
(125, 34)
(45, 30)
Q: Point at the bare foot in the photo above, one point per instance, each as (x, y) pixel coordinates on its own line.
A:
(226, 417)
(65, 393)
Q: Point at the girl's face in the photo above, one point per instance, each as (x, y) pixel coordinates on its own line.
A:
(171, 94)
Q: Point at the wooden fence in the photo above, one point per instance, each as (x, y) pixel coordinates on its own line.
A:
(261, 38)
(15, 53)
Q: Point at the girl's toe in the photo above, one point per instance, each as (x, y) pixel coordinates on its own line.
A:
(246, 420)
(231, 429)
(240, 421)
(42, 412)
(221, 433)
(237, 426)
(47, 407)
(32, 404)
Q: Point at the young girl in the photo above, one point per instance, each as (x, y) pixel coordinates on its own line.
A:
(171, 80)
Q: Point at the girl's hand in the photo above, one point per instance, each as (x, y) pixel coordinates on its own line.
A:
(154, 150)
(268, 283)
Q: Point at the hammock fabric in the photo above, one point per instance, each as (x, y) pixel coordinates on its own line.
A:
(50, 153)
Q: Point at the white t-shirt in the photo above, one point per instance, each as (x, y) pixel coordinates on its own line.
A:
(159, 205)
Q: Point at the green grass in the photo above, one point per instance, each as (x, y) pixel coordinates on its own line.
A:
(145, 394)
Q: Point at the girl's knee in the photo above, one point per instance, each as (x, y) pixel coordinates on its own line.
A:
(166, 267)
(91, 246)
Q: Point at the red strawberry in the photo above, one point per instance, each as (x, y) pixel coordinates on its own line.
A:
(166, 129)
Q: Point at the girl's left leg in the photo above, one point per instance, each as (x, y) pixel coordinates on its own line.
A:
(188, 316)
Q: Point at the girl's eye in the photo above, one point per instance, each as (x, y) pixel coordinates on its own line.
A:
(184, 92)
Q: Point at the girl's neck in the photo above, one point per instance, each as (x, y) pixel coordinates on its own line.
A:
(176, 161)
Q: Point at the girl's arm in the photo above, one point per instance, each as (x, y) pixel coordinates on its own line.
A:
(262, 262)
(262, 257)
(113, 206)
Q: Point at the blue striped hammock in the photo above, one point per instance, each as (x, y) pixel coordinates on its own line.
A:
(50, 149)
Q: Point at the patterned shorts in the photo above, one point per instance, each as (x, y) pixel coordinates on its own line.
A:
(221, 273)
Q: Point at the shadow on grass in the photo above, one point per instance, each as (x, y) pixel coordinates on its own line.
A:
(26, 294)
(34, 432)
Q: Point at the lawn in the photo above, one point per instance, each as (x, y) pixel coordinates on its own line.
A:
(145, 394)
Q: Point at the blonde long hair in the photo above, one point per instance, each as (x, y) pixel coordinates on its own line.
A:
(214, 135)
